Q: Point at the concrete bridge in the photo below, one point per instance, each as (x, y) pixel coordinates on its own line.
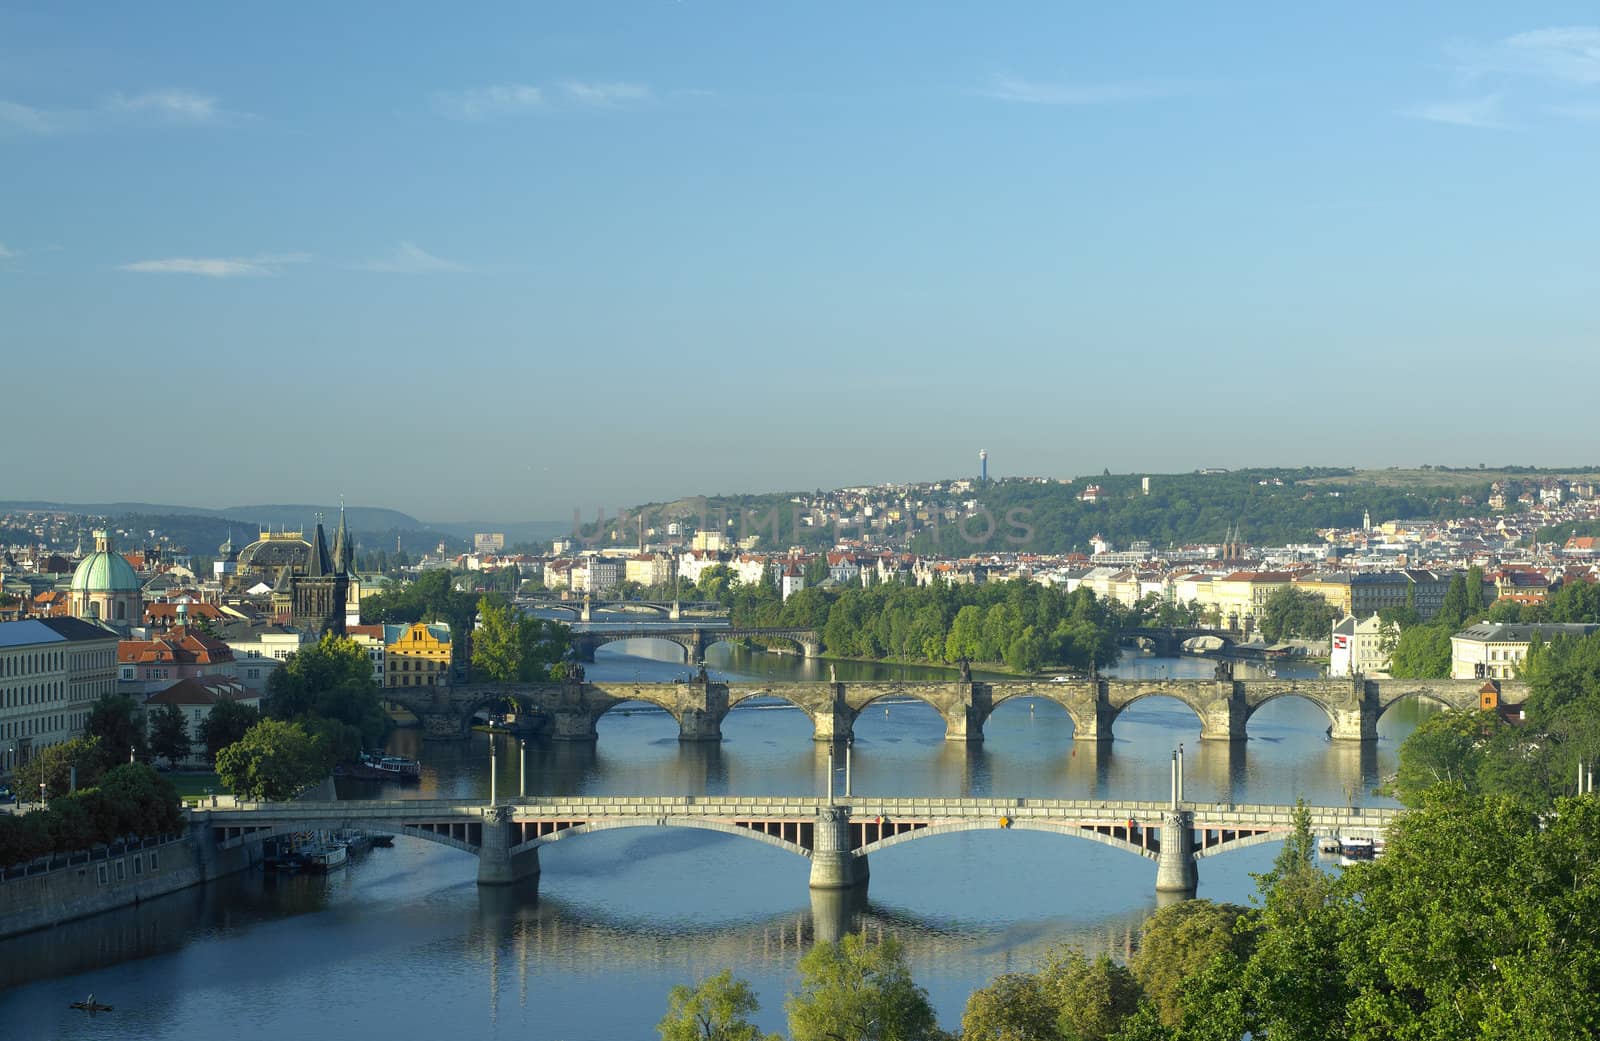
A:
(583, 610)
(694, 639)
(570, 711)
(837, 835)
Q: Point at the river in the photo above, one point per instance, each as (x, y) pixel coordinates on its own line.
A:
(403, 944)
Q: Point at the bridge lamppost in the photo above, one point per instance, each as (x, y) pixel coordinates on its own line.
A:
(522, 767)
(492, 771)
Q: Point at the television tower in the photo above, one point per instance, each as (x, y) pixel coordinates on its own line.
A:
(983, 466)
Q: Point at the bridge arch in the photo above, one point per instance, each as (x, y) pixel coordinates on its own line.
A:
(735, 700)
(1422, 693)
(1048, 827)
(601, 639)
(281, 829)
(1118, 707)
(1074, 707)
(1279, 695)
(697, 824)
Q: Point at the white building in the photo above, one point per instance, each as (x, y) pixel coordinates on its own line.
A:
(1492, 650)
(1358, 648)
(52, 671)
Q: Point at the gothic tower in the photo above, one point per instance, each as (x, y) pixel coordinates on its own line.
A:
(319, 594)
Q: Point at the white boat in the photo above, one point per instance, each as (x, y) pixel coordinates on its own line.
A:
(324, 856)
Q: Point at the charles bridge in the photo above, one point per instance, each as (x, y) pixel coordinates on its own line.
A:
(583, 610)
(836, 834)
(570, 710)
(694, 639)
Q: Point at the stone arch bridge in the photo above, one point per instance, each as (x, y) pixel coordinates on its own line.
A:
(583, 610)
(570, 711)
(835, 835)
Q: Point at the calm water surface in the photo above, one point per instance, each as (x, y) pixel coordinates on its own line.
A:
(402, 944)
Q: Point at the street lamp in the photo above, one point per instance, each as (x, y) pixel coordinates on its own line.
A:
(41, 793)
(131, 751)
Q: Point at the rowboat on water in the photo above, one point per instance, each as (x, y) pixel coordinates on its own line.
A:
(90, 1005)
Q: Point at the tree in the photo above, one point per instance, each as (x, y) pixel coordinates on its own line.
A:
(1422, 652)
(115, 721)
(169, 734)
(1013, 1007)
(854, 990)
(331, 679)
(1291, 612)
(273, 761)
(54, 766)
(714, 1009)
(510, 646)
(226, 724)
(1446, 748)
(1091, 997)
(1181, 940)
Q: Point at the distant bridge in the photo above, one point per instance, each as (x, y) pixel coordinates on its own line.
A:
(695, 639)
(570, 711)
(1167, 640)
(837, 834)
(583, 610)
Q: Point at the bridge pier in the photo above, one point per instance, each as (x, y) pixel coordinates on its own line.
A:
(833, 912)
(1094, 715)
(1224, 718)
(1353, 724)
(444, 726)
(675, 612)
(836, 721)
(810, 649)
(1176, 871)
(964, 717)
(697, 723)
(497, 864)
(833, 865)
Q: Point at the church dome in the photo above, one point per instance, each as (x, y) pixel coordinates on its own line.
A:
(105, 570)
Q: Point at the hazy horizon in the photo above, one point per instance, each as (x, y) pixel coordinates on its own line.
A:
(540, 259)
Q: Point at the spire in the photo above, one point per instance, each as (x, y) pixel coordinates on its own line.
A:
(318, 563)
(342, 550)
(285, 582)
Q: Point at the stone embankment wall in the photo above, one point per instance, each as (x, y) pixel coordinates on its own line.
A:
(88, 886)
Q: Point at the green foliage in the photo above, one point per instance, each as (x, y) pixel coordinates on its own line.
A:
(509, 646)
(226, 724)
(273, 761)
(169, 734)
(53, 766)
(1422, 652)
(1023, 625)
(115, 721)
(1091, 997)
(432, 596)
(717, 1008)
(1290, 613)
(855, 990)
(131, 800)
(1181, 940)
(329, 680)
(1013, 1007)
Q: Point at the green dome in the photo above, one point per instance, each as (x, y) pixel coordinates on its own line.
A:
(106, 571)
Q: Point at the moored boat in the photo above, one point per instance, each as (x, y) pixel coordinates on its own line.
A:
(324, 856)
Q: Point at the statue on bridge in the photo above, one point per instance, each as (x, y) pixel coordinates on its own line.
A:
(833, 675)
(964, 664)
(577, 673)
(1224, 671)
(701, 676)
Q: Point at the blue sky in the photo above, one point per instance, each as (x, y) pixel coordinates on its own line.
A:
(504, 261)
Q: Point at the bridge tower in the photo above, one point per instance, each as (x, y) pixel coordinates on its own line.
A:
(1176, 871)
(497, 864)
(833, 865)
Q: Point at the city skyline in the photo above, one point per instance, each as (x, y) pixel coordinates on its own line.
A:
(554, 259)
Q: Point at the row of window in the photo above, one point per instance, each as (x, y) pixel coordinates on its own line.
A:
(33, 694)
(27, 664)
(104, 872)
(70, 721)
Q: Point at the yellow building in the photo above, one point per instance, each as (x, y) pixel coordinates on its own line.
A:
(1241, 598)
(416, 655)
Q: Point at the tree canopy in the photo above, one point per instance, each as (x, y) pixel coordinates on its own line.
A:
(856, 990)
(330, 680)
(511, 646)
(716, 1008)
(273, 761)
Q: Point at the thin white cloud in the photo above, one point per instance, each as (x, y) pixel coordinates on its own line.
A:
(217, 267)
(23, 119)
(485, 102)
(410, 259)
(1486, 112)
(8, 254)
(180, 106)
(1567, 54)
(169, 106)
(606, 95)
(1037, 92)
